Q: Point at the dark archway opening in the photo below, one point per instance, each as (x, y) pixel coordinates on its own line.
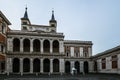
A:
(36, 45)
(77, 66)
(55, 46)
(55, 65)
(16, 45)
(46, 46)
(86, 68)
(26, 65)
(26, 45)
(36, 65)
(46, 65)
(67, 67)
(16, 65)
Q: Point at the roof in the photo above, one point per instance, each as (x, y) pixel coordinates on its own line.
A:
(108, 51)
(5, 19)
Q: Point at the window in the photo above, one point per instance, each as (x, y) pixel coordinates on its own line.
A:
(114, 62)
(3, 28)
(67, 54)
(103, 63)
(2, 48)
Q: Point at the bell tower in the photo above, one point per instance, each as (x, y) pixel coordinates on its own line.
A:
(53, 22)
(25, 21)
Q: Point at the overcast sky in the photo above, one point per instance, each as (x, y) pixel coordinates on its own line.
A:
(90, 20)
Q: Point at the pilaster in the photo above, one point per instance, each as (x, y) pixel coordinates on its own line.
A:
(41, 46)
(51, 46)
(31, 65)
(21, 66)
(41, 65)
(51, 65)
(81, 66)
(62, 66)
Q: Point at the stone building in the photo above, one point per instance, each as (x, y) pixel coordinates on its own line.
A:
(4, 22)
(41, 49)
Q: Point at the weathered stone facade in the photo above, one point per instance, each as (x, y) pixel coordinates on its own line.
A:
(41, 49)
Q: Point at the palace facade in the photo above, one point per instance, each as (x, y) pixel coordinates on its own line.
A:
(41, 49)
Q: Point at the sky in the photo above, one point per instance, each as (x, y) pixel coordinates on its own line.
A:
(87, 20)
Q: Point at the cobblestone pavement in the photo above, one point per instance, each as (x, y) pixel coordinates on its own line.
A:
(64, 77)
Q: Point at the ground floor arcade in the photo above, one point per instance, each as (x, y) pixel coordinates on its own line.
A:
(45, 65)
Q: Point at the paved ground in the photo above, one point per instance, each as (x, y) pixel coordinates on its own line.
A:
(63, 77)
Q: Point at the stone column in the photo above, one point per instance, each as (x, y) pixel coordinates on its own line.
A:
(72, 65)
(21, 66)
(61, 47)
(10, 44)
(21, 45)
(51, 46)
(31, 65)
(118, 61)
(41, 46)
(62, 66)
(51, 65)
(41, 65)
(9, 65)
(91, 66)
(31, 45)
(81, 66)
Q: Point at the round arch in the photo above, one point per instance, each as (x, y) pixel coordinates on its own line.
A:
(55, 65)
(16, 45)
(55, 46)
(26, 45)
(86, 67)
(46, 46)
(26, 65)
(46, 65)
(77, 66)
(36, 45)
(36, 65)
(16, 65)
(67, 67)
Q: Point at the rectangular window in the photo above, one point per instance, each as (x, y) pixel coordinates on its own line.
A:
(114, 62)
(103, 63)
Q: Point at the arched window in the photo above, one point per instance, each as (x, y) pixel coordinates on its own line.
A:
(26, 45)
(46, 46)
(36, 45)
(16, 45)
(55, 46)
(77, 66)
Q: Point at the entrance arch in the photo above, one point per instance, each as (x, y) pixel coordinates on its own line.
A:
(36, 65)
(55, 65)
(67, 67)
(86, 68)
(26, 65)
(16, 65)
(77, 66)
(46, 65)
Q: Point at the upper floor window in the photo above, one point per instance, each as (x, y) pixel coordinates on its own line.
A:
(3, 28)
